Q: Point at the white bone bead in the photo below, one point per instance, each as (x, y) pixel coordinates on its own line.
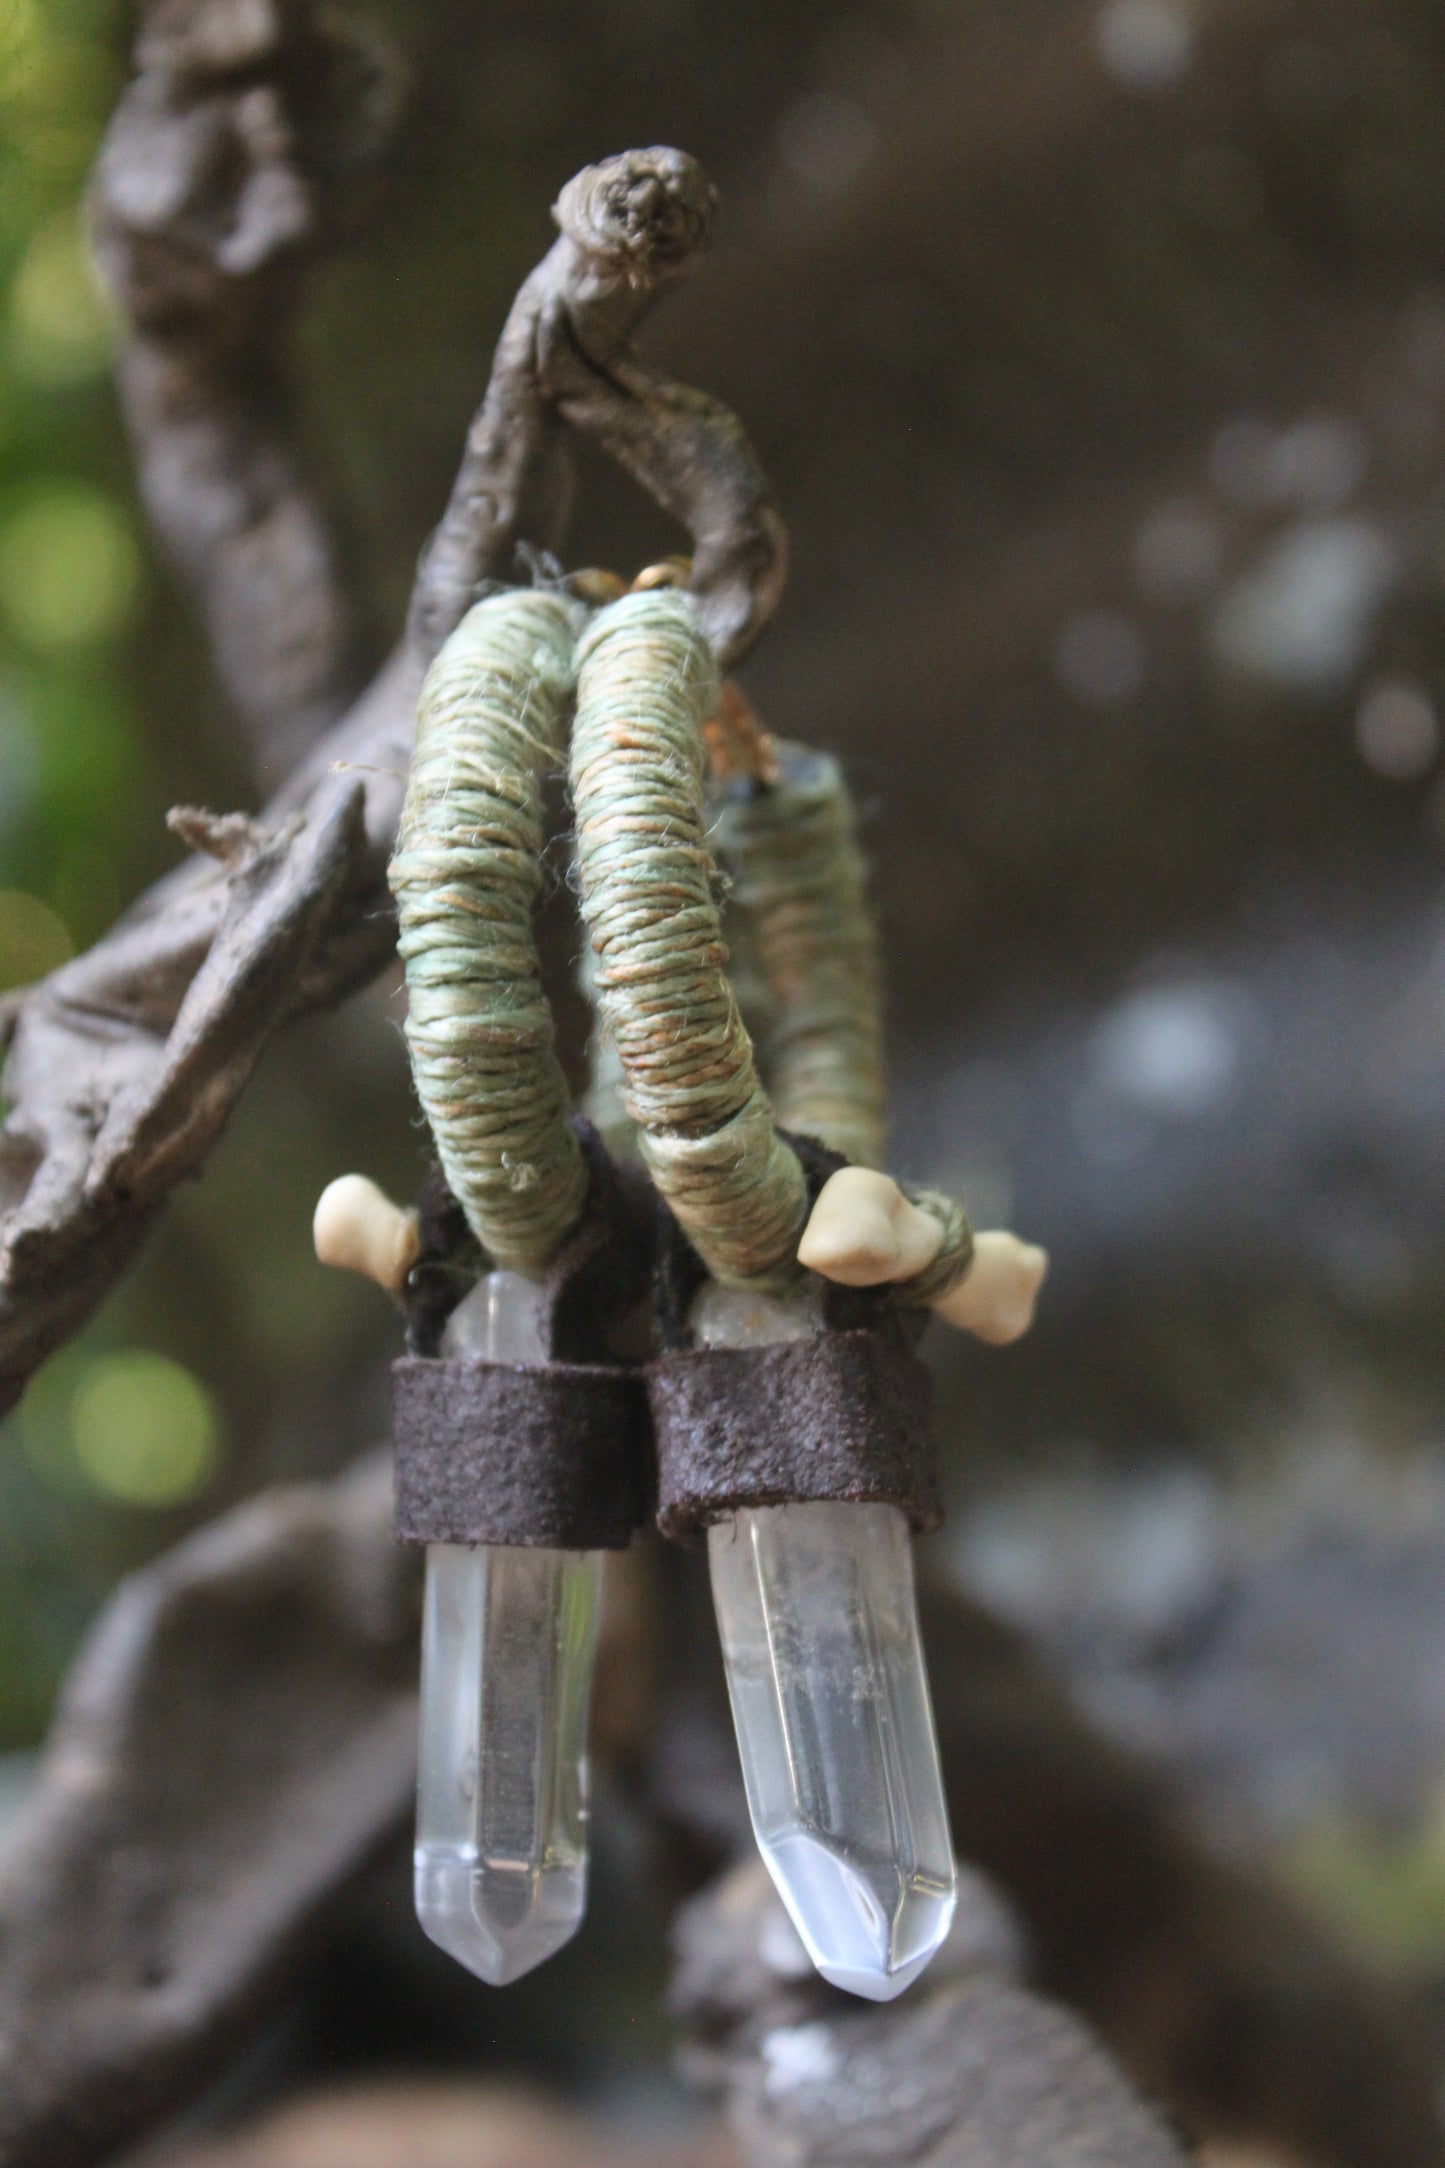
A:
(863, 1231)
(357, 1226)
(995, 1298)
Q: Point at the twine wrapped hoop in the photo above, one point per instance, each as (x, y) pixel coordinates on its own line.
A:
(490, 728)
(799, 889)
(646, 683)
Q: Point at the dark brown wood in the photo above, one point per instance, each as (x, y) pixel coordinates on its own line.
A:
(124, 1066)
(631, 227)
(246, 147)
(235, 1743)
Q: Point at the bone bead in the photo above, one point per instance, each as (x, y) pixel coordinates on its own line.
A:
(863, 1232)
(995, 1298)
(357, 1226)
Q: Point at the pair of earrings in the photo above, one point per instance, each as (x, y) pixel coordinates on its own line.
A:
(780, 1408)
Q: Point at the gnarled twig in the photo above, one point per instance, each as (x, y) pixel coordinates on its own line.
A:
(127, 1062)
(968, 2068)
(630, 229)
(237, 155)
(122, 1071)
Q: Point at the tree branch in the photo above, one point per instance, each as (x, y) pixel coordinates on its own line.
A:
(243, 149)
(125, 1064)
(968, 2067)
(197, 1808)
(631, 228)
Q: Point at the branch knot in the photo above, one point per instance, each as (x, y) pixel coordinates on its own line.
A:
(643, 212)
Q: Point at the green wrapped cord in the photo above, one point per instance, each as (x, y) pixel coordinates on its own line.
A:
(646, 682)
(799, 886)
(491, 723)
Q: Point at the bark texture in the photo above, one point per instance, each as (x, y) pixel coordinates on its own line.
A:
(212, 196)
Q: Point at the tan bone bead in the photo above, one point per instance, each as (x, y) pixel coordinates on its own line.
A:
(863, 1231)
(995, 1298)
(357, 1226)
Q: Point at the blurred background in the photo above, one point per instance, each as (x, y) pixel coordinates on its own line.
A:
(1097, 349)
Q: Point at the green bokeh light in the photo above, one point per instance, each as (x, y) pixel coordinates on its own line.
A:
(33, 939)
(145, 1430)
(61, 329)
(19, 26)
(69, 568)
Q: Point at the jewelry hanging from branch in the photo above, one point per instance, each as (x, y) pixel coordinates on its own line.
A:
(782, 1410)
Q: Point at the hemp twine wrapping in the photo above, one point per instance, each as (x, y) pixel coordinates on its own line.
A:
(646, 682)
(799, 887)
(603, 1100)
(954, 1255)
(490, 726)
(799, 884)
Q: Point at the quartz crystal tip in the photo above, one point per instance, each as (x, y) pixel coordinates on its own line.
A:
(819, 1627)
(869, 1929)
(508, 1639)
(501, 1843)
(501, 1920)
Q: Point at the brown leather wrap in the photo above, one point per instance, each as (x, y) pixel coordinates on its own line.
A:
(550, 1455)
(842, 1414)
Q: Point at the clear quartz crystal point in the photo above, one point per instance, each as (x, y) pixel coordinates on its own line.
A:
(819, 1626)
(508, 1640)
